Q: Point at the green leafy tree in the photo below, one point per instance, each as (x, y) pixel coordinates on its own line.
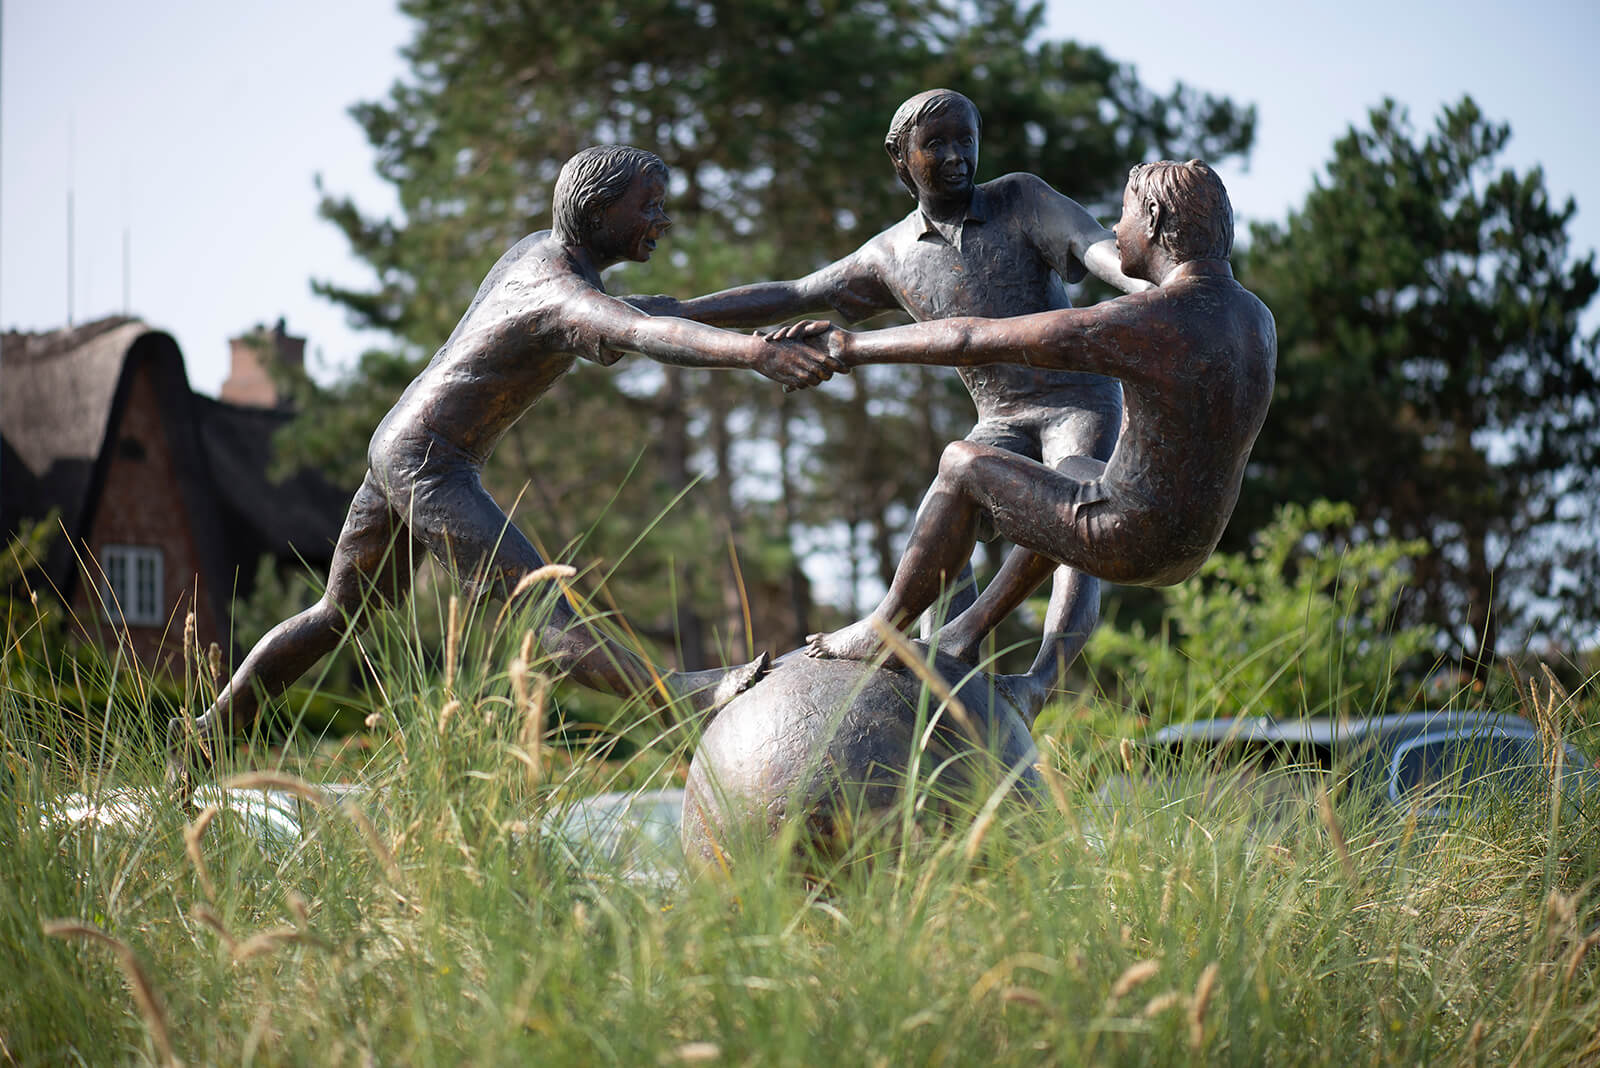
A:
(771, 116)
(1433, 372)
(1301, 623)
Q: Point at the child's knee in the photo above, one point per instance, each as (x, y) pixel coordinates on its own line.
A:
(957, 460)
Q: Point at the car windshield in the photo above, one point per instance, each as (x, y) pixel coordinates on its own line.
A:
(1455, 762)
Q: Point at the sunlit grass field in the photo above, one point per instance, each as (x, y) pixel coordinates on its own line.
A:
(434, 919)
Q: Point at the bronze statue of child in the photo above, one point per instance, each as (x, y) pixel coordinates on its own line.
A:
(997, 249)
(1196, 356)
(541, 307)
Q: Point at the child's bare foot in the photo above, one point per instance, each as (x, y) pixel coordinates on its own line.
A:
(707, 691)
(951, 640)
(1028, 694)
(858, 641)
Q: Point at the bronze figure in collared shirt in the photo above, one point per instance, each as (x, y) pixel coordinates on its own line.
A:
(1198, 357)
(1000, 249)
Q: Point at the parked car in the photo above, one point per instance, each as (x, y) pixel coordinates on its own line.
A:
(1426, 761)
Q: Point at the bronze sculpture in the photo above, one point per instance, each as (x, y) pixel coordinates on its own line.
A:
(540, 307)
(997, 249)
(835, 745)
(1197, 357)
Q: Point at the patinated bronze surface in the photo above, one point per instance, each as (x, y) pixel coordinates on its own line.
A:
(541, 307)
(836, 743)
(997, 249)
(1196, 356)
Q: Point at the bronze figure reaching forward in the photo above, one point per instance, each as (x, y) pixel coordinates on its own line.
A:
(1196, 356)
(541, 307)
(997, 249)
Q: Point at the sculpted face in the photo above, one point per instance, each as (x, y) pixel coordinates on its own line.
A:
(632, 225)
(942, 155)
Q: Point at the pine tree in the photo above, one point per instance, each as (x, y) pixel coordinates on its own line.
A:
(1432, 371)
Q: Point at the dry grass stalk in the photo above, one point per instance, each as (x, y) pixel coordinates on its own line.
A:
(1024, 995)
(1161, 1003)
(1056, 784)
(546, 573)
(1001, 970)
(451, 707)
(204, 915)
(191, 845)
(452, 645)
(530, 706)
(1475, 1038)
(1580, 948)
(144, 992)
(1201, 1003)
(191, 644)
(906, 653)
(1131, 979)
(694, 1053)
(1330, 820)
(297, 905)
(275, 780)
(980, 831)
(1552, 736)
(259, 945)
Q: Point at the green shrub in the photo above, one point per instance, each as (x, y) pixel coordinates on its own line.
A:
(1301, 624)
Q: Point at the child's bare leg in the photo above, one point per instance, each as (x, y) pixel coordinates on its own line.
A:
(363, 565)
(1018, 577)
(1073, 614)
(941, 541)
(580, 648)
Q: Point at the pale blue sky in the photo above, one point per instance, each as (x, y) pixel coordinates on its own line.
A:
(198, 127)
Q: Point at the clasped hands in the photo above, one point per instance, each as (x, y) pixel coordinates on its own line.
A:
(818, 341)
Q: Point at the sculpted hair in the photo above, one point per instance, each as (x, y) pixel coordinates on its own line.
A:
(592, 181)
(1196, 215)
(913, 113)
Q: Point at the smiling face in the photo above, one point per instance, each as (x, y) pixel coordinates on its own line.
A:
(630, 226)
(941, 155)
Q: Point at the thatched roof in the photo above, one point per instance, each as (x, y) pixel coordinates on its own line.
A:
(56, 394)
(61, 397)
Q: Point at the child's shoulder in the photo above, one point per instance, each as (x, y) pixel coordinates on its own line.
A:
(1015, 190)
(539, 261)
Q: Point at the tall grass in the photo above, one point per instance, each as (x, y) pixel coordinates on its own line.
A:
(434, 920)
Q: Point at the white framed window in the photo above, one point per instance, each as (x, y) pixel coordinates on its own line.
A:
(132, 590)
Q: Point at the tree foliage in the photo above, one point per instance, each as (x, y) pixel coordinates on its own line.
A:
(771, 116)
(1432, 370)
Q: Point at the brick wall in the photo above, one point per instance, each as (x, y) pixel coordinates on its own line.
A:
(142, 505)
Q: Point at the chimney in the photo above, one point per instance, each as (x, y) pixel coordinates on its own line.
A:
(249, 381)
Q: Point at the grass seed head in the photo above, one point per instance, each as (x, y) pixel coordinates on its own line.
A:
(451, 707)
(1201, 1003)
(1132, 977)
(1163, 1003)
(144, 992)
(191, 845)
